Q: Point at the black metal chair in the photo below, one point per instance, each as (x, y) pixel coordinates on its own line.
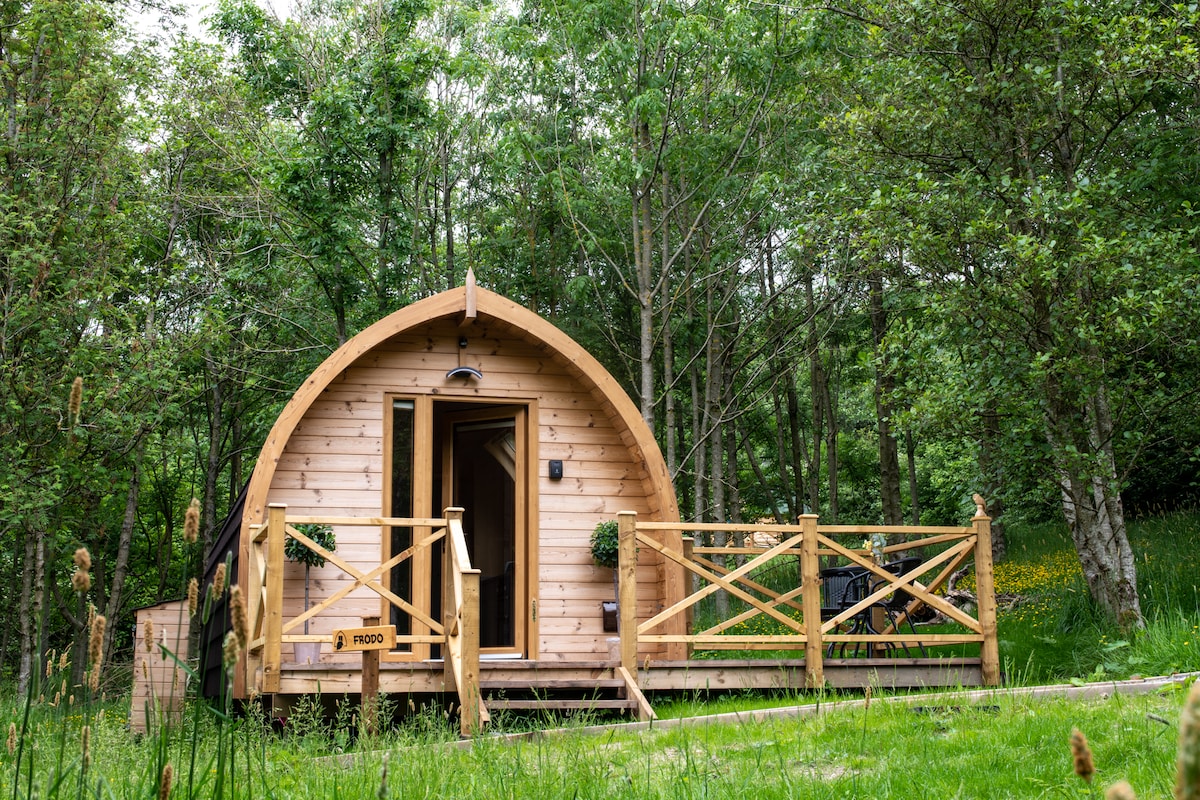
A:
(842, 588)
(898, 603)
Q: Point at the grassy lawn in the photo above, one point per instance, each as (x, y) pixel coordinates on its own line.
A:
(1053, 635)
(1007, 747)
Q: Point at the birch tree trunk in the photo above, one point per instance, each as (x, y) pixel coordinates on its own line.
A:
(33, 580)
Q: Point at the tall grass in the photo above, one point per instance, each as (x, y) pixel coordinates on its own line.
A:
(62, 747)
(1009, 747)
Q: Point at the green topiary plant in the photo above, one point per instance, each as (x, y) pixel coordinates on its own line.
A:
(606, 544)
(295, 550)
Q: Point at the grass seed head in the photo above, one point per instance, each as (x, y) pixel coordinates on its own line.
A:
(191, 522)
(193, 597)
(218, 582)
(1187, 763)
(164, 785)
(83, 559)
(81, 581)
(12, 738)
(148, 635)
(237, 616)
(229, 652)
(76, 400)
(96, 651)
(96, 641)
(1082, 755)
(1120, 791)
(85, 738)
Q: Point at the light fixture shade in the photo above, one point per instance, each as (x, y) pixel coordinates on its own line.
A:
(464, 372)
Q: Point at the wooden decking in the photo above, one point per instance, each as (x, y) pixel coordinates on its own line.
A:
(732, 560)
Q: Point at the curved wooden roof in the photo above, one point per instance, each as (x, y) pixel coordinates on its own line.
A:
(482, 304)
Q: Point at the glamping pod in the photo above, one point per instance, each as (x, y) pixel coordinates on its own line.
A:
(465, 399)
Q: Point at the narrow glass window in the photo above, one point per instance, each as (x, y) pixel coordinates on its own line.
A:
(402, 506)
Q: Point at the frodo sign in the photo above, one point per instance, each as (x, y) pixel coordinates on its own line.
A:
(379, 637)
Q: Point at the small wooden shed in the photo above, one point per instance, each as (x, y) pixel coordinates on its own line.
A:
(159, 682)
(463, 399)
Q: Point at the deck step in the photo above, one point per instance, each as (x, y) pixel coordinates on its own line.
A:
(552, 684)
(558, 704)
(602, 690)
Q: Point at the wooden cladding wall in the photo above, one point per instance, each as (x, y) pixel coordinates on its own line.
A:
(159, 683)
(333, 464)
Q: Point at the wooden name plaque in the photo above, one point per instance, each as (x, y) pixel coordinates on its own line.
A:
(379, 637)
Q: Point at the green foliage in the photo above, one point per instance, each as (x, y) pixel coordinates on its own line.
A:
(295, 550)
(606, 544)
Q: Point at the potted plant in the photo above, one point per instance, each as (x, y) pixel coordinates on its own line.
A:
(294, 550)
(605, 550)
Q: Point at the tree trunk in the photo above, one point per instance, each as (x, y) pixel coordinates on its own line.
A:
(1094, 513)
(910, 453)
(448, 214)
(989, 440)
(885, 384)
(33, 579)
(699, 437)
(820, 394)
(212, 466)
(116, 595)
(713, 387)
(831, 445)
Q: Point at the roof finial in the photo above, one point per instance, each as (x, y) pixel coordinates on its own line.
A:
(469, 310)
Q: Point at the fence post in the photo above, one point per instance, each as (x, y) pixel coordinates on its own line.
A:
(985, 590)
(368, 702)
(627, 589)
(273, 618)
(810, 577)
(689, 588)
(469, 692)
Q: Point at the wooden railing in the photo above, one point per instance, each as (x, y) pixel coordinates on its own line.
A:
(457, 633)
(797, 612)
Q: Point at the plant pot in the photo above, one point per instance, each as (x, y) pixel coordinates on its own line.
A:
(307, 652)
